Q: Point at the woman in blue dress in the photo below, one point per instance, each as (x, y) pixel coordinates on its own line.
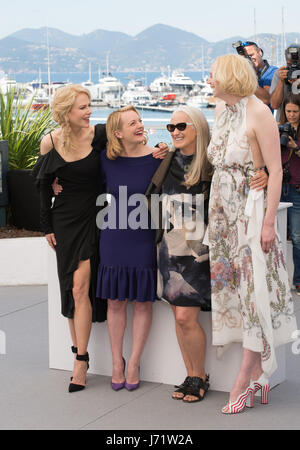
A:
(128, 266)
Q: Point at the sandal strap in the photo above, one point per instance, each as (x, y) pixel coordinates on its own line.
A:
(83, 357)
(184, 384)
(74, 349)
(197, 383)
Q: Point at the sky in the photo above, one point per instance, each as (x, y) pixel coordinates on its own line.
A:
(213, 20)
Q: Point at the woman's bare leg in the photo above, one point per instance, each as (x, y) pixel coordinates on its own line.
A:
(82, 322)
(250, 367)
(185, 356)
(142, 319)
(192, 341)
(116, 320)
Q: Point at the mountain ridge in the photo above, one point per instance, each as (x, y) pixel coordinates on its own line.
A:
(153, 49)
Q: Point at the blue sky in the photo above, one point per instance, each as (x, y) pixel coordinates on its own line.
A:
(213, 20)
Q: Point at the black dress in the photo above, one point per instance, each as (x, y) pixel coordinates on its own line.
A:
(72, 218)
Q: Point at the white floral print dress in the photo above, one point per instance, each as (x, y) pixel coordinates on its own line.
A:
(251, 299)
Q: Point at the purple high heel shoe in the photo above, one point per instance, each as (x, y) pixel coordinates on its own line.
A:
(118, 386)
(132, 387)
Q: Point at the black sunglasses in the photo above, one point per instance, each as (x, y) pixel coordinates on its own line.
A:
(180, 126)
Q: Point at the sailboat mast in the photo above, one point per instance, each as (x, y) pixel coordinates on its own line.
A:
(283, 39)
(48, 62)
(255, 27)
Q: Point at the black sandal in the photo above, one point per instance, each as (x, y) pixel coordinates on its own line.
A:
(182, 389)
(78, 387)
(75, 351)
(194, 387)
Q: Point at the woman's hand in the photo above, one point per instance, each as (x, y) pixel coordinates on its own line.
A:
(161, 151)
(259, 180)
(51, 240)
(292, 143)
(267, 237)
(57, 188)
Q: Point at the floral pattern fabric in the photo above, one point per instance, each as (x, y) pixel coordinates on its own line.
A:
(250, 304)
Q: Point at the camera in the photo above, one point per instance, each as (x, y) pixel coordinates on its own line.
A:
(293, 53)
(239, 46)
(286, 131)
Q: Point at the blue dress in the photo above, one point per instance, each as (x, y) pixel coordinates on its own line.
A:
(128, 260)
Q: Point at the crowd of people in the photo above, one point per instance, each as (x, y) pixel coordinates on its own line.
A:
(211, 245)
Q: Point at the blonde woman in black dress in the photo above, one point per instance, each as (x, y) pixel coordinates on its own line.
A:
(71, 153)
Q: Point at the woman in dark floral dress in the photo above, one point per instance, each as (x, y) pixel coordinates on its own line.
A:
(183, 259)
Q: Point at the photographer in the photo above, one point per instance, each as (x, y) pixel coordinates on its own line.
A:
(290, 145)
(264, 71)
(285, 77)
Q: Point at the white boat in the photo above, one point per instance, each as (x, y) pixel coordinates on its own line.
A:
(136, 85)
(109, 89)
(198, 101)
(160, 85)
(140, 97)
(180, 83)
(88, 84)
(7, 83)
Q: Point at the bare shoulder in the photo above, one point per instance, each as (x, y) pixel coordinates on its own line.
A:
(46, 143)
(256, 108)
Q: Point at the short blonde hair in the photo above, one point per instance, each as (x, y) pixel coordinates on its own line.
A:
(113, 123)
(200, 167)
(236, 75)
(62, 104)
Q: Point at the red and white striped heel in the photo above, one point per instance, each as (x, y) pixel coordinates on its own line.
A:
(239, 405)
(262, 385)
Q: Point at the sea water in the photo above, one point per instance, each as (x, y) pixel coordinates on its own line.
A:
(154, 121)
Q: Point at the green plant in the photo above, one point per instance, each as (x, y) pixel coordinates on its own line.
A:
(22, 128)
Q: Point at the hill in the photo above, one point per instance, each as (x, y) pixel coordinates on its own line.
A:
(154, 49)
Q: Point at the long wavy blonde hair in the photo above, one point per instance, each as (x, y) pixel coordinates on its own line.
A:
(62, 104)
(113, 124)
(200, 166)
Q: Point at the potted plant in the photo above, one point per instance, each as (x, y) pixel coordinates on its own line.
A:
(23, 129)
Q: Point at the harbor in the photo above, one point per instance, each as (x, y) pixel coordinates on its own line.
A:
(164, 93)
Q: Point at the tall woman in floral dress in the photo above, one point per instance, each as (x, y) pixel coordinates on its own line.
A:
(251, 300)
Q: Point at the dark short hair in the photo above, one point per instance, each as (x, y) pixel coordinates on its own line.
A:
(289, 98)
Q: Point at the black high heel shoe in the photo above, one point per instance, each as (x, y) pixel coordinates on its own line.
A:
(75, 351)
(79, 387)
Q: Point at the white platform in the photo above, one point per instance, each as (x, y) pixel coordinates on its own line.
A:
(161, 361)
(23, 261)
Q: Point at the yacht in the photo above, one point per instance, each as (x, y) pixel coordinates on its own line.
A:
(136, 85)
(160, 85)
(88, 84)
(138, 97)
(7, 83)
(198, 101)
(109, 89)
(180, 83)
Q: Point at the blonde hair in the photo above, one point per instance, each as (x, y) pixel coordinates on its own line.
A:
(236, 75)
(113, 124)
(62, 104)
(200, 166)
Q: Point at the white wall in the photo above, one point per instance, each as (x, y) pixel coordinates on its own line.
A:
(161, 360)
(23, 261)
